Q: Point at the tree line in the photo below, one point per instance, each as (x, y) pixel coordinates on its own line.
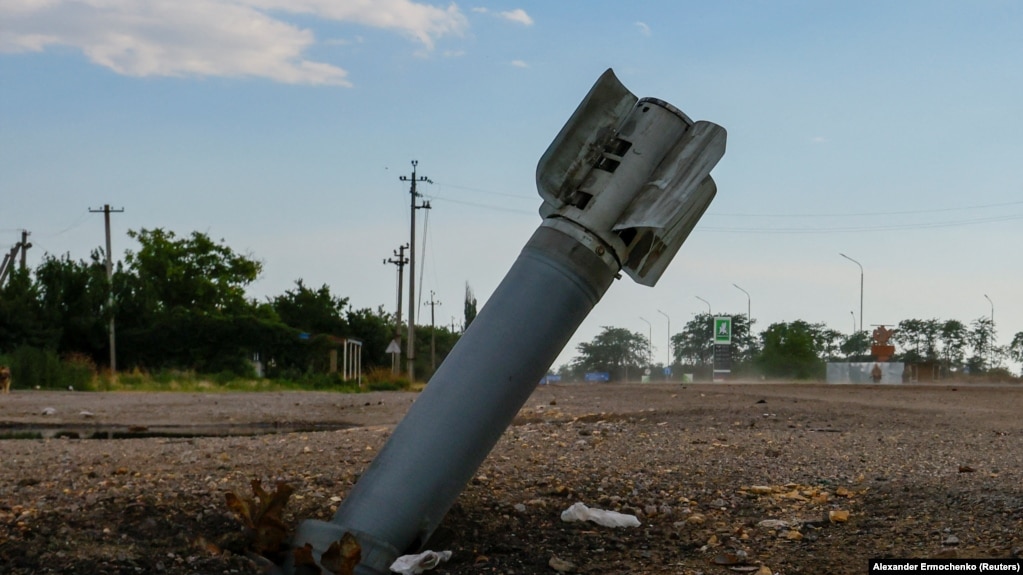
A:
(179, 303)
(796, 349)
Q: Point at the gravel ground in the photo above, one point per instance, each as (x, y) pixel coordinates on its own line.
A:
(737, 478)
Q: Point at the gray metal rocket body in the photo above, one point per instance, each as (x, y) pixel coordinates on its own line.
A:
(623, 184)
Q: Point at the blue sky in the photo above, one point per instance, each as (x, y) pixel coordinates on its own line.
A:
(888, 131)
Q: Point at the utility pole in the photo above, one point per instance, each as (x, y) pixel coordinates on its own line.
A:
(25, 245)
(433, 333)
(106, 211)
(399, 260)
(411, 355)
(8, 263)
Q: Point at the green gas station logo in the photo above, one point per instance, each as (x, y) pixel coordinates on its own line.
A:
(723, 330)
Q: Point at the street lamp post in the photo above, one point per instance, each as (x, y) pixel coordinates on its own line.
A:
(669, 336)
(853, 314)
(992, 344)
(649, 340)
(749, 323)
(861, 286)
(708, 304)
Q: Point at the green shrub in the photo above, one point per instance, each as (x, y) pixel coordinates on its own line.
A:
(79, 371)
(387, 385)
(381, 379)
(35, 368)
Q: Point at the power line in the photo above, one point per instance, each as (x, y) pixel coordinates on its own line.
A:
(484, 206)
(422, 264)
(488, 192)
(81, 220)
(78, 222)
(877, 228)
(865, 214)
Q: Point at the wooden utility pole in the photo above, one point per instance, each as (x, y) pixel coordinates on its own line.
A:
(106, 211)
(399, 260)
(411, 355)
(433, 333)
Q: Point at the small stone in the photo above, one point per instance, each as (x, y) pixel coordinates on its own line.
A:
(761, 489)
(560, 565)
(49, 411)
(793, 535)
(764, 570)
(697, 519)
(838, 516)
(521, 508)
(773, 524)
(950, 541)
(729, 559)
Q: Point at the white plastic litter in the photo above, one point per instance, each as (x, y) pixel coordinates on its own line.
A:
(416, 564)
(580, 512)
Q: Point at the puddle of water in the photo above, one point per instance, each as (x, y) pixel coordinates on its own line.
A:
(29, 431)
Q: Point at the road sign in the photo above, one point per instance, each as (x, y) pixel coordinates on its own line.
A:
(393, 347)
(723, 330)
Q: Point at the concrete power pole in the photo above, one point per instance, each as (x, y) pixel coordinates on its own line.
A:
(399, 260)
(8, 263)
(106, 211)
(433, 332)
(24, 247)
(411, 354)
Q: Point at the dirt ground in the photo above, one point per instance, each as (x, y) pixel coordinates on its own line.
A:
(724, 478)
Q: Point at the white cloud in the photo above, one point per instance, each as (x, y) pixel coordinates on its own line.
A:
(517, 15)
(819, 140)
(233, 38)
(423, 22)
(344, 41)
(519, 64)
(643, 28)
